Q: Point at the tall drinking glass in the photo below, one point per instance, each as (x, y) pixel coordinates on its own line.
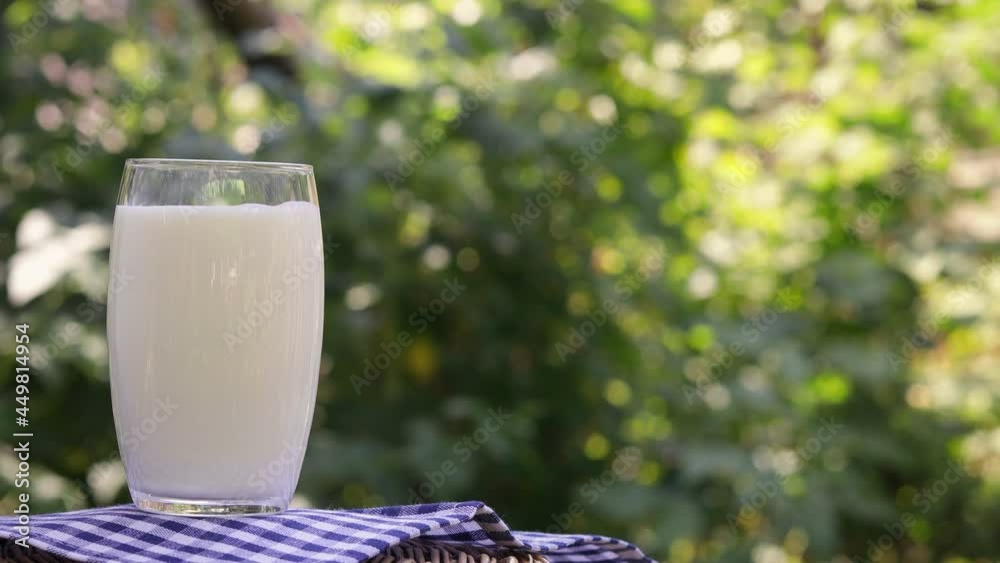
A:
(215, 319)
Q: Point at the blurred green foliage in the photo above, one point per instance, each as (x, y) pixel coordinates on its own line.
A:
(817, 178)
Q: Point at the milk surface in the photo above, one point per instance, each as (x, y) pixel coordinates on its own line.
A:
(215, 319)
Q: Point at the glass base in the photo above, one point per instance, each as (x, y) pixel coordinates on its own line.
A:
(201, 507)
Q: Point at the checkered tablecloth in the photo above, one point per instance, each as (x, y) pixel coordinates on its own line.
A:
(429, 532)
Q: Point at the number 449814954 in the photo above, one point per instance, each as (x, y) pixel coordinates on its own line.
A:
(22, 376)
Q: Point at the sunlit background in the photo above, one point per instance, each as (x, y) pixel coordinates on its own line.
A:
(792, 207)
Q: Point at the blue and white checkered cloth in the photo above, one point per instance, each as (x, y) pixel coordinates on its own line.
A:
(463, 531)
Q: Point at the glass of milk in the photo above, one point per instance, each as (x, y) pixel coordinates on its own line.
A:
(215, 321)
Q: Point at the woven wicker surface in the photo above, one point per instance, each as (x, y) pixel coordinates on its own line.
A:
(9, 551)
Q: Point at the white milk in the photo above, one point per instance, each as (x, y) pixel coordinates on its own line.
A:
(215, 319)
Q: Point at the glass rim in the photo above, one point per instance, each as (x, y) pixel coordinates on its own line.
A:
(166, 163)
